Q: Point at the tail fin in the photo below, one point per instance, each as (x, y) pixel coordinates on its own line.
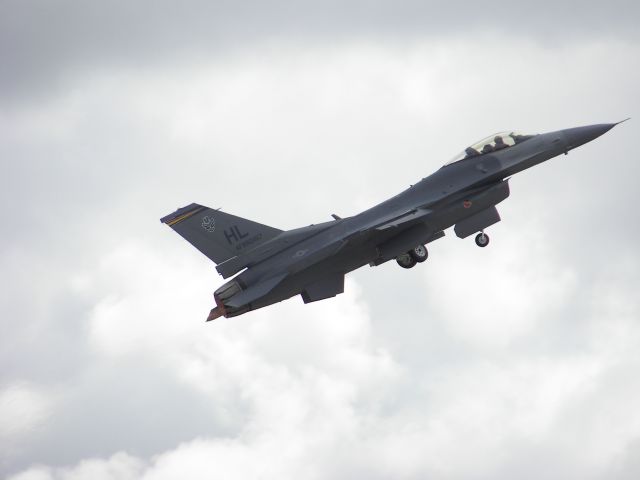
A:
(218, 235)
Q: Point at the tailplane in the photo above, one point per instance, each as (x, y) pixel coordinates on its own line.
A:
(216, 234)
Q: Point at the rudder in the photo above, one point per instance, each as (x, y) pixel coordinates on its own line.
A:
(218, 235)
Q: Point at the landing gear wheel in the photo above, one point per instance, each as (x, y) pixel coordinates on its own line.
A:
(406, 261)
(419, 253)
(482, 239)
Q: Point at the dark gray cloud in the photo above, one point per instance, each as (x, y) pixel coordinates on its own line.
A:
(44, 45)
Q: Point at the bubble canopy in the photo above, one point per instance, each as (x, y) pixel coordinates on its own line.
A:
(493, 143)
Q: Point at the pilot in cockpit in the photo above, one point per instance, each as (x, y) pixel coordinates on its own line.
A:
(499, 143)
(471, 152)
(488, 148)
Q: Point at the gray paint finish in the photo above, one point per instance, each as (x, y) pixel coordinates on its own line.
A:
(312, 261)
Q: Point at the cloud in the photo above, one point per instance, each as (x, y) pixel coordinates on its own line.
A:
(516, 358)
(118, 467)
(25, 411)
(23, 408)
(330, 344)
(297, 394)
(328, 402)
(43, 47)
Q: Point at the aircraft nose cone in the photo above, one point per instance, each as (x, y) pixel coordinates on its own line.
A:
(580, 135)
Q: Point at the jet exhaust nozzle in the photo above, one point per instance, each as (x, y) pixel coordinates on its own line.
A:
(222, 294)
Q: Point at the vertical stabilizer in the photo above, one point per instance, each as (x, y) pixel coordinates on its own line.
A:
(217, 234)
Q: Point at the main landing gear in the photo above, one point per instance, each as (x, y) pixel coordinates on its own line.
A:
(482, 239)
(419, 254)
(416, 255)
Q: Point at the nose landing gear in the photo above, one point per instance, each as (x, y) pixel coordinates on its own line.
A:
(482, 239)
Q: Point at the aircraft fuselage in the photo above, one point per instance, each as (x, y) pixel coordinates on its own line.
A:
(312, 261)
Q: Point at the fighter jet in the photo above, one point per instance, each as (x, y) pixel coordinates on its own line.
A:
(312, 261)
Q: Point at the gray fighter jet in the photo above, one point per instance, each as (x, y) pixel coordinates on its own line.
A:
(312, 261)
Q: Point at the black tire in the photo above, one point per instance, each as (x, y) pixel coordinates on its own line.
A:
(406, 261)
(482, 239)
(419, 253)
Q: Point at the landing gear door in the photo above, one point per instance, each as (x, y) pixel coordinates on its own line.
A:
(477, 222)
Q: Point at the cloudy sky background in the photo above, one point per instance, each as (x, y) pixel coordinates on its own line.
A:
(518, 360)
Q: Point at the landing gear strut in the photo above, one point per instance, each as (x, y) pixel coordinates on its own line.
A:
(482, 239)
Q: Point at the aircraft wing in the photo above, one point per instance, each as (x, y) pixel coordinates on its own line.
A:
(399, 219)
(403, 220)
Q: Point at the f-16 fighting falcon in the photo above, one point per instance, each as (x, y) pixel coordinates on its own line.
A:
(312, 261)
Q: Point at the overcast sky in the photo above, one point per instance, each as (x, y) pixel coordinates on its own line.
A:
(520, 360)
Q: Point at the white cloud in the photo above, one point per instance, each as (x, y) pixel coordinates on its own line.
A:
(36, 473)
(466, 358)
(317, 390)
(118, 467)
(159, 315)
(489, 303)
(23, 409)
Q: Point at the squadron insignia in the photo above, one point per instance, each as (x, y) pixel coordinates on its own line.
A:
(208, 223)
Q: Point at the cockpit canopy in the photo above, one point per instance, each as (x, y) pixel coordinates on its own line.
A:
(493, 143)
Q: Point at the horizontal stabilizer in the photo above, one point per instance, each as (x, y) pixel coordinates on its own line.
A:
(218, 235)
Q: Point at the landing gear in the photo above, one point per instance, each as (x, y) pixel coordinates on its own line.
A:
(416, 255)
(406, 260)
(482, 239)
(419, 253)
